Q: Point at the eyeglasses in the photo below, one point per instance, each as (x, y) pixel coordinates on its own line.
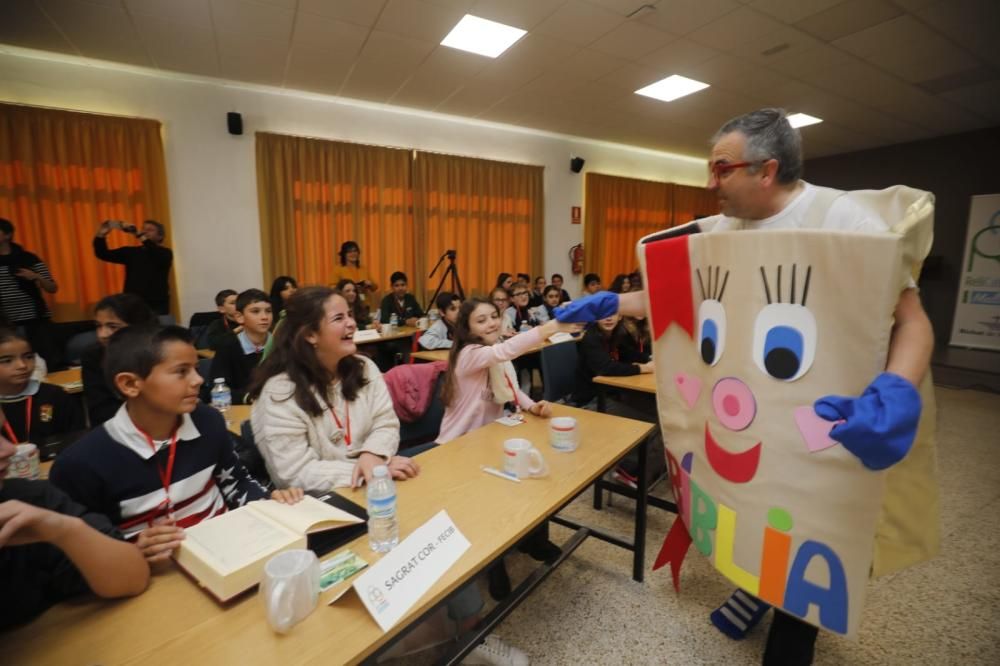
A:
(520, 293)
(720, 169)
(500, 299)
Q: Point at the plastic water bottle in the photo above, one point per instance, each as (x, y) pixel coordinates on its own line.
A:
(525, 326)
(393, 323)
(222, 397)
(383, 528)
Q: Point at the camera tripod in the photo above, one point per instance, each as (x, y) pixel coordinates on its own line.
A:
(452, 270)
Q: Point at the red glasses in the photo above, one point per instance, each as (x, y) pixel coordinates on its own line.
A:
(720, 169)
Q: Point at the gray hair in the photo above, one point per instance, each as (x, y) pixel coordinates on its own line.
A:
(769, 136)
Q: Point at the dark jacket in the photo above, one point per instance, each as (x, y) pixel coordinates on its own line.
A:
(615, 357)
(54, 413)
(236, 366)
(147, 270)
(391, 307)
(102, 401)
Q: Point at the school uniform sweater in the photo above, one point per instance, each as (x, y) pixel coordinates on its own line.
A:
(35, 576)
(113, 470)
(102, 401)
(615, 357)
(235, 362)
(408, 309)
(53, 413)
(219, 332)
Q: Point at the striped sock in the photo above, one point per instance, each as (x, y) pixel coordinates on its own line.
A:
(739, 615)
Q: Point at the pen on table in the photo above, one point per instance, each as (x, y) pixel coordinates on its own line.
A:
(503, 475)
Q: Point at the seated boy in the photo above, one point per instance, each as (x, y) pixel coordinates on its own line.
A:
(164, 461)
(51, 548)
(237, 357)
(591, 283)
(441, 334)
(400, 303)
(33, 411)
(227, 324)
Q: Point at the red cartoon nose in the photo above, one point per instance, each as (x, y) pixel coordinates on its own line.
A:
(734, 403)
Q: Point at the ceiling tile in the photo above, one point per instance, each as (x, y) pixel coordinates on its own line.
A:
(678, 55)
(847, 18)
(472, 99)
(631, 77)
(783, 43)
(247, 58)
(187, 12)
(982, 99)
(442, 73)
(98, 31)
(632, 40)
(974, 24)
(178, 47)
(386, 62)
(420, 20)
(255, 18)
(341, 40)
(907, 48)
(735, 28)
(791, 11)
(623, 7)
(587, 64)
(360, 12)
(679, 17)
(523, 14)
(22, 23)
(315, 71)
(579, 23)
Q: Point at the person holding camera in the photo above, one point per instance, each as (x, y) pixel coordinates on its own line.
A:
(147, 267)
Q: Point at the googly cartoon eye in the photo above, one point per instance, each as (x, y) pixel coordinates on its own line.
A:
(784, 341)
(711, 331)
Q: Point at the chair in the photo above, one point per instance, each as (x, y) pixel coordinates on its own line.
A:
(77, 344)
(415, 347)
(249, 455)
(559, 376)
(202, 319)
(426, 428)
(166, 319)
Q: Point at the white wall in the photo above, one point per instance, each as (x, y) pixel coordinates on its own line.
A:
(212, 175)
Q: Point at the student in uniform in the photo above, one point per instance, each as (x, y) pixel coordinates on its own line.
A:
(111, 314)
(362, 313)
(621, 284)
(34, 412)
(591, 284)
(227, 324)
(282, 287)
(52, 548)
(441, 334)
(557, 282)
(504, 281)
(236, 359)
(538, 292)
(400, 302)
(550, 301)
(165, 461)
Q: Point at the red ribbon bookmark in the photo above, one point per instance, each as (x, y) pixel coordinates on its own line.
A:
(675, 547)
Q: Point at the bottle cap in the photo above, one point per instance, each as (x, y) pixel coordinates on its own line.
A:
(380, 471)
(220, 380)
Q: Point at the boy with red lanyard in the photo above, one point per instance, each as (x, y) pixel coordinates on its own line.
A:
(34, 412)
(238, 356)
(164, 461)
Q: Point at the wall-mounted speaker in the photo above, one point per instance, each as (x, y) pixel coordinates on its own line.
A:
(235, 122)
(576, 164)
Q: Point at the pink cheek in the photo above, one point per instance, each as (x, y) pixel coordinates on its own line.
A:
(733, 403)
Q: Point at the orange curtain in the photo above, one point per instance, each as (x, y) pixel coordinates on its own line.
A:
(691, 203)
(61, 174)
(314, 194)
(491, 213)
(618, 212)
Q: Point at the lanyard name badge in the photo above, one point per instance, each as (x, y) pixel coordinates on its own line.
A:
(165, 474)
(27, 424)
(347, 420)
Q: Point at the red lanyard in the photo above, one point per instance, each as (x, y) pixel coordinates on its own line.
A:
(612, 351)
(347, 418)
(517, 403)
(27, 424)
(165, 474)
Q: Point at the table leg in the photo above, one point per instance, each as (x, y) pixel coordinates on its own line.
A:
(641, 502)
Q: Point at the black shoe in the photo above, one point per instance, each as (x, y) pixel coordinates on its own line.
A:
(499, 581)
(540, 550)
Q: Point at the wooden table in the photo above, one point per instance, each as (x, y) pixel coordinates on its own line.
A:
(401, 332)
(70, 380)
(206, 353)
(236, 416)
(174, 622)
(642, 383)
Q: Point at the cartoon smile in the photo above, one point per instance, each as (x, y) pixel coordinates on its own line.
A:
(733, 467)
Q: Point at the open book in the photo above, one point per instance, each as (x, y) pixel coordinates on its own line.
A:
(226, 554)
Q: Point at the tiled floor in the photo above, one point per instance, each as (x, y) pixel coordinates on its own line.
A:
(946, 611)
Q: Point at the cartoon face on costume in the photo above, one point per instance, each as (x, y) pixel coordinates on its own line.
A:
(750, 328)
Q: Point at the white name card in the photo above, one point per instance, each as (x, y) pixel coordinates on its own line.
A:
(391, 586)
(366, 335)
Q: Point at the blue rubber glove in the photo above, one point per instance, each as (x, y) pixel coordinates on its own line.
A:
(601, 305)
(879, 426)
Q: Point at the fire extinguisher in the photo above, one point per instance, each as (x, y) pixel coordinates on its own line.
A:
(576, 258)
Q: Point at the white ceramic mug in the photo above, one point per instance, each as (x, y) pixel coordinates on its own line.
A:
(564, 434)
(522, 459)
(290, 588)
(24, 463)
